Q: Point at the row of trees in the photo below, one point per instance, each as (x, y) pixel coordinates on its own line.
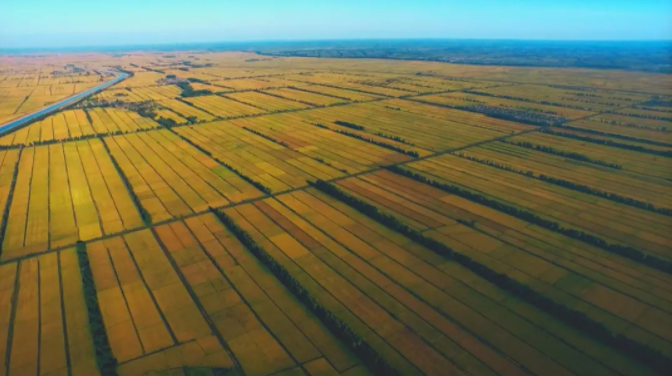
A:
(579, 320)
(622, 250)
(520, 116)
(107, 363)
(360, 347)
(632, 125)
(601, 141)
(573, 186)
(188, 91)
(562, 153)
(349, 125)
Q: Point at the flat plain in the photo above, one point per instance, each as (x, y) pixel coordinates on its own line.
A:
(219, 213)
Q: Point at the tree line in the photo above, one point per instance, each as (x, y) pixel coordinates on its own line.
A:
(600, 141)
(621, 250)
(577, 319)
(562, 153)
(106, 361)
(359, 346)
(573, 186)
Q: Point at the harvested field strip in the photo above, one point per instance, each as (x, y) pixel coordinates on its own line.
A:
(272, 165)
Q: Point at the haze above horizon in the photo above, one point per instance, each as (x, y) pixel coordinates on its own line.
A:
(48, 24)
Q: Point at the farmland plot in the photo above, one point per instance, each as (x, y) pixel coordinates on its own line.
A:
(263, 161)
(64, 193)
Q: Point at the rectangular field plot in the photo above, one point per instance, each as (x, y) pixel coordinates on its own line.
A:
(340, 151)
(8, 161)
(640, 175)
(186, 111)
(246, 84)
(614, 222)
(50, 328)
(223, 107)
(147, 310)
(110, 120)
(589, 100)
(468, 99)
(656, 130)
(401, 296)
(172, 178)
(263, 324)
(272, 165)
(389, 119)
(305, 97)
(344, 94)
(76, 123)
(266, 102)
(615, 292)
(64, 193)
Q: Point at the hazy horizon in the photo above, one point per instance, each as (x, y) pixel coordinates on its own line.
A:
(34, 24)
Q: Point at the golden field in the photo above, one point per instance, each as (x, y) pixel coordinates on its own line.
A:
(219, 213)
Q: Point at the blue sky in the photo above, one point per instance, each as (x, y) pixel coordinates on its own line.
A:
(49, 23)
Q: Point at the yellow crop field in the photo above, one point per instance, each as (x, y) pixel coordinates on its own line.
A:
(318, 211)
(71, 192)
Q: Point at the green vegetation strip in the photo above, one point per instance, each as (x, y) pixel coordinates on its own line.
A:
(8, 204)
(562, 153)
(621, 250)
(107, 363)
(144, 214)
(573, 186)
(367, 354)
(256, 184)
(579, 320)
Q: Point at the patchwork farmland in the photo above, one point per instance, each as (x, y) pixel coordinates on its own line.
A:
(296, 216)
